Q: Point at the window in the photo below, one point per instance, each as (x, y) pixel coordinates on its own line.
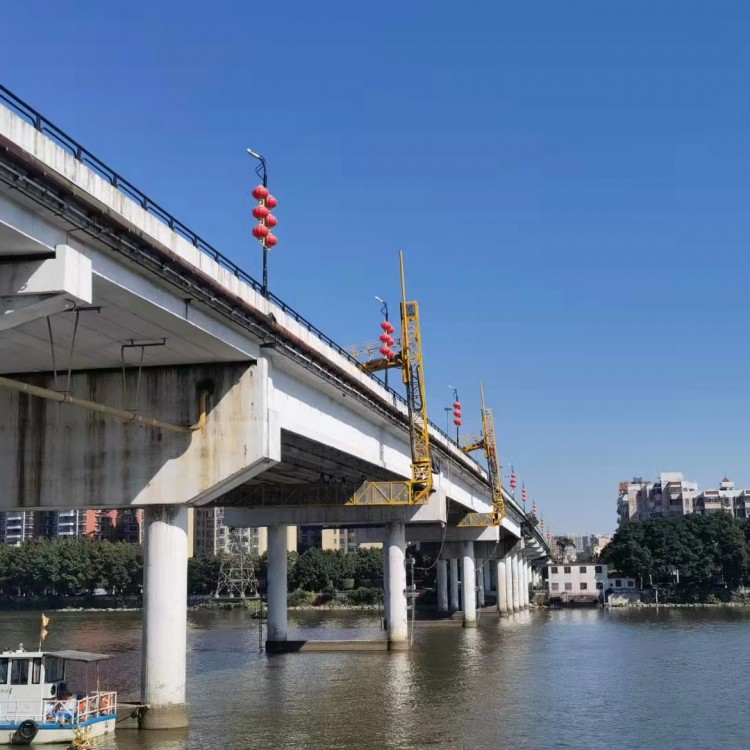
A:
(568, 586)
(618, 584)
(19, 672)
(599, 585)
(598, 569)
(584, 586)
(582, 569)
(36, 671)
(3, 671)
(553, 569)
(54, 669)
(555, 586)
(631, 584)
(566, 569)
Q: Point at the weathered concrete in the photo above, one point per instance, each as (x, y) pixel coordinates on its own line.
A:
(397, 625)
(502, 604)
(509, 583)
(58, 455)
(455, 600)
(469, 586)
(277, 584)
(480, 582)
(163, 670)
(516, 579)
(442, 585)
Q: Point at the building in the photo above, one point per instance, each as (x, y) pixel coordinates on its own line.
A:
(671, 495)
(17, 526)
(584, 582)
(586, 546)
(342, 540)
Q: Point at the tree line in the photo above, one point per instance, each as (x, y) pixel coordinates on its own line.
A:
(79, 567)
(706, 553)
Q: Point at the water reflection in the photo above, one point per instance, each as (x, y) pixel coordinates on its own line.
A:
(531, 681)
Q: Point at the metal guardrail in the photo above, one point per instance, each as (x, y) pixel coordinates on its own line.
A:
(44, 126)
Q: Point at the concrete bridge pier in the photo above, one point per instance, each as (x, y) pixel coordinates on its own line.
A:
(442, 585)
(526, 582)
(502, 588)
(509, 582)
(516, 580)
(469, 578)
(455, 599)
(277, 586)
(165, 558)
(386, 587)
(480, 581)
(487, 570)
(397, 622)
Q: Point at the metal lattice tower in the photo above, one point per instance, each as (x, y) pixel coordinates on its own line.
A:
(237, 571)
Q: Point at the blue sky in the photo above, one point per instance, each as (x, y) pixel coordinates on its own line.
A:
(569, 182)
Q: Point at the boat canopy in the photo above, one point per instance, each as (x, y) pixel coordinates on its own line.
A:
(83, 656)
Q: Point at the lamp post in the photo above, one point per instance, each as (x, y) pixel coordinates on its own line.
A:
(448, 410)
(262, 230)
(384, 312)
(456, 411)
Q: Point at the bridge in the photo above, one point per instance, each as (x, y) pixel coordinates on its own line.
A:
(141, 367)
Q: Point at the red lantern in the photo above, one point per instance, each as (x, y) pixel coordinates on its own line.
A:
(271, 240)
(384, 325)
(271, 202)
(384, 338)
(384, 350)
(457, 422)
(260, 231)
(457, 405)
(391, 354)
(260, 212)
(271, 220)
(260, 192)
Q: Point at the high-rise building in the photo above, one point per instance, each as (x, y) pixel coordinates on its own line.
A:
(17, 526)
(212, 534)
(342, 540)
(671, 495)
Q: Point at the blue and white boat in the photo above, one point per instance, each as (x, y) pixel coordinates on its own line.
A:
(36, 705)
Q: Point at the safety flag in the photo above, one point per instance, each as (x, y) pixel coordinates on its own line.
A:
(523, 493)
(43, 633)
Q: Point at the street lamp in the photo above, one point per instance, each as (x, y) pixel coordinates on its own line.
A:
(384, 311)
(448, 410)
(456, 411)
(262, 212)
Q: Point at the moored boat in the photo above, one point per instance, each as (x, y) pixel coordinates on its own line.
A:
(36, 705)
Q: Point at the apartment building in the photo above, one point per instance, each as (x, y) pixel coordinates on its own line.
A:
(17, 526)
(343, 540)
(114, 525)
(671, 495)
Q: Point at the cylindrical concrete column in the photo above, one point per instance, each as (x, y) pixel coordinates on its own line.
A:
(277, 586)
(487, 569)
(509, 583)
(386, 580)
(455, 602)
(524, 583)
(469, 577)
(442, 585)
(480, 582)
(516, 578)
(164, 634)
(397, 627)
(502, 604)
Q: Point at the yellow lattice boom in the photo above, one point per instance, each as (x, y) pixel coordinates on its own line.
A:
(488, 444)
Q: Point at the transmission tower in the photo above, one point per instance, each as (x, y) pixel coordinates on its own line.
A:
(237, 571)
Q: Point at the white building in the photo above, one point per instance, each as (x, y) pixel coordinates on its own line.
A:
(583, 582)
(671, 495)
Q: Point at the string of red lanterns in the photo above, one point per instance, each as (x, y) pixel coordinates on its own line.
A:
(457, 413)
(266, 220)
(386, 338)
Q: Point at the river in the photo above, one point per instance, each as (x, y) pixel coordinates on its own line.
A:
(672, 679)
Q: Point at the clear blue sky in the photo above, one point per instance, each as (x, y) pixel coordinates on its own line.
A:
(569, 181)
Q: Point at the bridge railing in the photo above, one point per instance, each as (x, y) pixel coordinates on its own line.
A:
(59, 136)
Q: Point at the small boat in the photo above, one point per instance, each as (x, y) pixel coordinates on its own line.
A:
(38, 708)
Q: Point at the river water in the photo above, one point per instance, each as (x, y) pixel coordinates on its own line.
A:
(672, 679)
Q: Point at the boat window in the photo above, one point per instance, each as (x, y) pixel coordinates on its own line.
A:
(19, 672)
(36, 671)
(54, 669)
(3, 671)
